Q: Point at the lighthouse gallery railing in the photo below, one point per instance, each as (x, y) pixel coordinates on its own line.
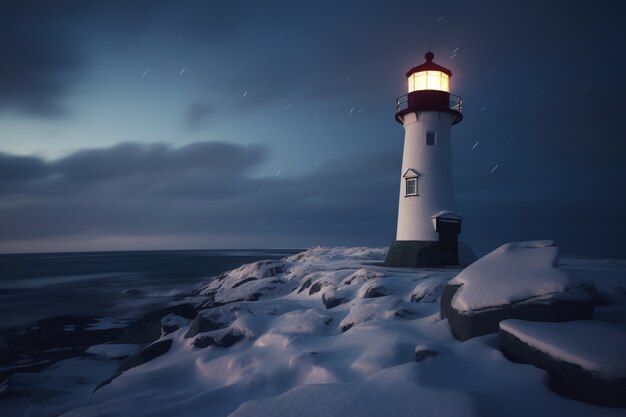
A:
(456, 103)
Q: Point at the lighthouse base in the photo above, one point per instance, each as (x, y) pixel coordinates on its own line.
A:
(416, 253)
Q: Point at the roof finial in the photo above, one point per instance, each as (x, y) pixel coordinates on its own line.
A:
(429, 56)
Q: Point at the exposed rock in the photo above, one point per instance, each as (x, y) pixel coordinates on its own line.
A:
(331, 301)
(171, 323)
(423, 352)
(567, 377)
(377, 291)
(362, 275)
(224, 339)
(570, 305)
(146, 355)
(273, 271)
(243, 281)
(148, 328)
(315, 288)
(306, 284)
(209, 320)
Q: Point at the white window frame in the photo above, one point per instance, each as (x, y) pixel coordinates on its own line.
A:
(406, 189)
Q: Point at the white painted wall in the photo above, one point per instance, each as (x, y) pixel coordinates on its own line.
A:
(434, 164)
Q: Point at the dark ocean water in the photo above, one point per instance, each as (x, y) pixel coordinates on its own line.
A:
(109, 284)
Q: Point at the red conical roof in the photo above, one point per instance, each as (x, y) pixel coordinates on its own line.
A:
(429, 65)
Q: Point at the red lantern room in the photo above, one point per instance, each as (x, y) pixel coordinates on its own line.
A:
(429, 89)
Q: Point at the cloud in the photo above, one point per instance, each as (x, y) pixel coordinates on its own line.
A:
(38, 60)
(197, 114)
(205, 188)
(20, 168)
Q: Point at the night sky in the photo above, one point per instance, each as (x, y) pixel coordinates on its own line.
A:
(256, 124)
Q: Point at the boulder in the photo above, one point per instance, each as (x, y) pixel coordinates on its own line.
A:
(219, 339)
(172, 322)
(423, 352)
(585, 360)
(518, 280)
(568, 305)
(208, 320)
(377, 291)
(429, 290)
(331, 301)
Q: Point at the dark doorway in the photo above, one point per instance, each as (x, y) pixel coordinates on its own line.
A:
(448, 241)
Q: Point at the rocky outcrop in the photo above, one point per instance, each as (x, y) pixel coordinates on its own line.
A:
(569, 305)
(518, 280)
(222, 339)
(146, 355)
(567, 378)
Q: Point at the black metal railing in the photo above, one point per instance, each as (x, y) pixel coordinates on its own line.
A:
(455, 103)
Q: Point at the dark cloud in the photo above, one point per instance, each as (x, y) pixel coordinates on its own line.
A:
(38, 61)
(19, 168)
(197, 114)
(203, 188)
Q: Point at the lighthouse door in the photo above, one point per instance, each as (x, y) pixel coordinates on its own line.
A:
(448, 241)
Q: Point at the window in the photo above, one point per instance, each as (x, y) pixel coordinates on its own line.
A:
(430, 138)
(411, 186)
(429, 80)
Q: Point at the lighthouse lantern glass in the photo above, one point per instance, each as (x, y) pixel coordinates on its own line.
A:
(429, 80)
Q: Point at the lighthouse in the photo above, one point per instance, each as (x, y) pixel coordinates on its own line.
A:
(428, 228)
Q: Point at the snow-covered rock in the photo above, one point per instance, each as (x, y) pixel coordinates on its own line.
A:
(429, 290)
(585, 359)
(517, 280)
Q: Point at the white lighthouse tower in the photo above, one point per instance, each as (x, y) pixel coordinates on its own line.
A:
(428, 229)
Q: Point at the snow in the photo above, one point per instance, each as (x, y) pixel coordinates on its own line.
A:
(514, 272)
(299, 358)
(594, 346)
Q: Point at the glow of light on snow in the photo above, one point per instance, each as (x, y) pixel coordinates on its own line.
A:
(494, 168)
(475, 145)
(145, 73)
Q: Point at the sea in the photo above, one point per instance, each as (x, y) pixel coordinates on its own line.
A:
(122, 285)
